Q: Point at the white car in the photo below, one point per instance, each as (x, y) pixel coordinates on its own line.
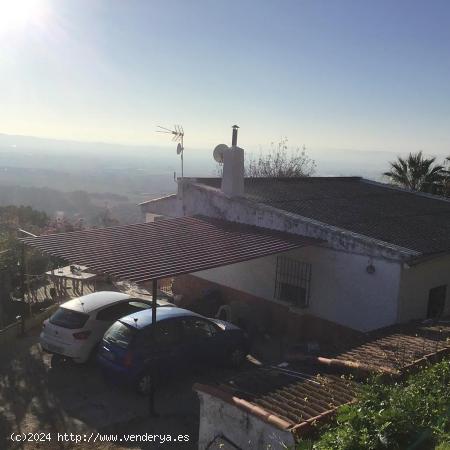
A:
(76, 328)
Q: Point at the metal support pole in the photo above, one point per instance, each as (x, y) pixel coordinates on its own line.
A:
(182, 152)
(22, 270)
(151, 396)
(154, 302)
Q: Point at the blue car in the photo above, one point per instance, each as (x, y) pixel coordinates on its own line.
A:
(135, 353)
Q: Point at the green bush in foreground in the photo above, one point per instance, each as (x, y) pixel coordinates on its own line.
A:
(411, 415)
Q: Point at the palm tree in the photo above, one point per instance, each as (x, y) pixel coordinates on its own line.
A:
(415, 172)
(446, 180)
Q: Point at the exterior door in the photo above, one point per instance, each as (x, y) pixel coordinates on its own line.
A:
(436, 302)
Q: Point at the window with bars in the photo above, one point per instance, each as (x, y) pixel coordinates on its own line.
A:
(292, 281)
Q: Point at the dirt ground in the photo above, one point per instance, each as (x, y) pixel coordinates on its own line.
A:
(69, 398)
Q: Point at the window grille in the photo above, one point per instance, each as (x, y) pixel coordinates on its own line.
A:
(292, 281)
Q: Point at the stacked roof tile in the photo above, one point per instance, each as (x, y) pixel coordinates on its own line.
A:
(399, 347)
(285, 398)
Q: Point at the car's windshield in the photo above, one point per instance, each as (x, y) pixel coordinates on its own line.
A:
(68, 318)
(119, 334)
(140, 305)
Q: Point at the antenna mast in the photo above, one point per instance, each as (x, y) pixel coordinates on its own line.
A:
(177, 136)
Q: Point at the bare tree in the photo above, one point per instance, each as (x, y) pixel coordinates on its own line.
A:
(280, 162)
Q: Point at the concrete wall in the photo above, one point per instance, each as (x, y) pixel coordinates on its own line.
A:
(219, 418)
(166, 206)
(341, 289)
(416, 282)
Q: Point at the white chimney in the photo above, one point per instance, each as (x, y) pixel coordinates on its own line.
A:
(233, 168)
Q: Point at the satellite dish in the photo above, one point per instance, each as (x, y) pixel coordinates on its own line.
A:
(218, 152)
(179, 148)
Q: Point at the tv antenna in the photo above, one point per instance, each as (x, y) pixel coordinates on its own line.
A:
(177, 136)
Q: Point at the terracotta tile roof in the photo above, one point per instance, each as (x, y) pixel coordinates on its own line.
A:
(392, 350)
(285, 398)
(413, 221)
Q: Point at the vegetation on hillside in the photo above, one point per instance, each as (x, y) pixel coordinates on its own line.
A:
(90, 206)
(12, 218)
(411, 415)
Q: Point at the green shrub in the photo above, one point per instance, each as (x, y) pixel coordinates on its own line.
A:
(411, 415)
(444, 442)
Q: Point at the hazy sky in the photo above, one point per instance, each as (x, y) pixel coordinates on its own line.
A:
(371, 74)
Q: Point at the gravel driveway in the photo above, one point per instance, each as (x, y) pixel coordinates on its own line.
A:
(38, 398)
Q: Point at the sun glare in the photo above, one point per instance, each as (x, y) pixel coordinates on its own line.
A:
(18, 14)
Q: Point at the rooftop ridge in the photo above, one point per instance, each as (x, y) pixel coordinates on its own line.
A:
(415, 225)
(303, 178)
(405, 191)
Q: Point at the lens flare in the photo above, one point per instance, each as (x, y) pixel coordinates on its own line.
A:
(19, 14)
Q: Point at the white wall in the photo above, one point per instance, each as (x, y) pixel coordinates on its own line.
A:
(166, 206)
(150, 217)
(246, 431)
(416, 283)
(341, 289)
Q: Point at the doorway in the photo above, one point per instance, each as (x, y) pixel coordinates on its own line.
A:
(436, 302)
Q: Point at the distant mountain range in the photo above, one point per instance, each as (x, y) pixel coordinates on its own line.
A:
(72, 156)
(50, 173)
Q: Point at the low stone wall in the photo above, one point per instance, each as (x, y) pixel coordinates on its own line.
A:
(10, 333)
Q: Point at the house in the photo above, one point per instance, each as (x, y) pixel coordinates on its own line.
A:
(383, 256)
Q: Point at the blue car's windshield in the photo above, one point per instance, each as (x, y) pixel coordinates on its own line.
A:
(120, 334)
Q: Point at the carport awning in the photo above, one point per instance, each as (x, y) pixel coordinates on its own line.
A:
(151, 251)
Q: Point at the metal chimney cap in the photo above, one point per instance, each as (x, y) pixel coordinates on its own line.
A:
(234, 136)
